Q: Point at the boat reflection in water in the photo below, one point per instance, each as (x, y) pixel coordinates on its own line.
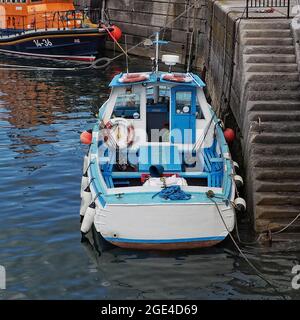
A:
(37, 104)
(137, 274)
(34, 104)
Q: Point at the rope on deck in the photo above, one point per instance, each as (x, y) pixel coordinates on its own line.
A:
(173, 193)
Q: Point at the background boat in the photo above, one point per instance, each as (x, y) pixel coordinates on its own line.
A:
(52, 30)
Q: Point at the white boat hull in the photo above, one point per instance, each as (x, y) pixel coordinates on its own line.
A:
(164, 227)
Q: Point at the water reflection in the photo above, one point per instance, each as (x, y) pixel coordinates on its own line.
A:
(214, 273)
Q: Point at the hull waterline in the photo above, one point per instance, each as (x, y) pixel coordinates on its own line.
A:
(167, 246)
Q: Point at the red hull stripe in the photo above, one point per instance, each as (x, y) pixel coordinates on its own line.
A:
(166, 246)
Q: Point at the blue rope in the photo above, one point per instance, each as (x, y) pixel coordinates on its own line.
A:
(173, 193)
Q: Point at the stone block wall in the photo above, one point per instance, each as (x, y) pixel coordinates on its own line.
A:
(140, 19)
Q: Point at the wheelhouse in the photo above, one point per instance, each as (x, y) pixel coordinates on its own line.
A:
(174, 128)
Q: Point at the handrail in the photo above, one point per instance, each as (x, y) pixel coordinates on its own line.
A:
(261, 4)
(44, 20)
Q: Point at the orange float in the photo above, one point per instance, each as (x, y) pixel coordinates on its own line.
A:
(116, 32)
(86, 137)
(229, 135)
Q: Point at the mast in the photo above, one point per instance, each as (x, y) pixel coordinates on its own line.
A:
(156, 51)
(103, 10)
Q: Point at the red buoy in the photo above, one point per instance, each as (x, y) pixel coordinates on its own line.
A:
(229, 135)
(116, 32)
(86, 137)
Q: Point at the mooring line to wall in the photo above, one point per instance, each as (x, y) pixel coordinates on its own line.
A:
(209, 196)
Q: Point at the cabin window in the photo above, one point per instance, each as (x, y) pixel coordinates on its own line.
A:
(127, 106)
(183, 102)
(162, 94)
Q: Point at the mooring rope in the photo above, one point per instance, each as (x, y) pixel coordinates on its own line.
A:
(210, 195)
(266, 233)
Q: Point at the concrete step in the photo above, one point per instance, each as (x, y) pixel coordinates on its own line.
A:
(274, 150)
(277, 33)
(292, 231)
(274, 95)
(270, 76)
(267, 58)
(271, 174)
(271, 67)
(268, 41)
(266, 25)
(279, 161)
(277, 212)
(278, 137)
(279, 105)
(275, 116)
(287, 236)
(277, 198)
(277, 186)
(274, 86)
(277, 126)
(265, 49)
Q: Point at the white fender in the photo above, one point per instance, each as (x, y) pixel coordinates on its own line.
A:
(83, 190)
(85, 163)
(84, 184)
(240, 204)
(88, 218)
(236, 165)
(85, 202)
(239, 182)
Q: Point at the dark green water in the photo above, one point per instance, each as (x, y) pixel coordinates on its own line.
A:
(41, 116)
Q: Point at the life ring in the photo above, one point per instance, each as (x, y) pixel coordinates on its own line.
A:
(177, 77)
(133, 77)
(118, 133)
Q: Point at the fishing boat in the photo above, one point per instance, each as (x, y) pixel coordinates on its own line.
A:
(158, 173)
(52, 29)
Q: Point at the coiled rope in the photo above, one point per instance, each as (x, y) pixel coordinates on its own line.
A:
(173, 193)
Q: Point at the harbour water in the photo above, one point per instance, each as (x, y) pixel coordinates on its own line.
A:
(41, 116)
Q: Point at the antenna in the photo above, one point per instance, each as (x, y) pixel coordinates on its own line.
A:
(156, 51)
(157, 43)
(126, 55)
(190, 52)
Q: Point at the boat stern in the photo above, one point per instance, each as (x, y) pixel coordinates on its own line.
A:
(164, 227)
